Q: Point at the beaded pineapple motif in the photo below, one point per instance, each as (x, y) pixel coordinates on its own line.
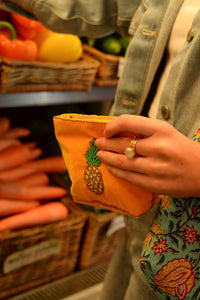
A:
(92, 175)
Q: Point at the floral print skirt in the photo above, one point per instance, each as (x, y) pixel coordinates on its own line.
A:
(170, 257)
(171, 253)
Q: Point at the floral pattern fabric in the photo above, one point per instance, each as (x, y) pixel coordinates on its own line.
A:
(170, 257)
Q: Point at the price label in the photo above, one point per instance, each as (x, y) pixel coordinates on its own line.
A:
(32, 254)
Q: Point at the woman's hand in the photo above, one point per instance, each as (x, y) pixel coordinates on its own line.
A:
(167, 162)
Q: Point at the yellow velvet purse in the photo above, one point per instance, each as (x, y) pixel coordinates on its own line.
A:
(92, 183)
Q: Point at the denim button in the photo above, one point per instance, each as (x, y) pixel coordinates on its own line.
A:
(190, 35)
(165, 112)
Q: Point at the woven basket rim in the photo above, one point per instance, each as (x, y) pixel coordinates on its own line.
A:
(101, 54)
(79, 63)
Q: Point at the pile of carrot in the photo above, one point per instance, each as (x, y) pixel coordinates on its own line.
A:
(27, 197)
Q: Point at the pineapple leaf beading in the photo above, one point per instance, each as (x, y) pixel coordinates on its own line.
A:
(91, 154)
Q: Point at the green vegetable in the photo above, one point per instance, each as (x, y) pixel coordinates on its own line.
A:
(111, 45)
(91, 41)
(114, 44)
(124, 41)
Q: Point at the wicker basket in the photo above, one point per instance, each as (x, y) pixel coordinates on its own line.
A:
(21, 76)
(107, 74)
(98, 244)
(34, 256)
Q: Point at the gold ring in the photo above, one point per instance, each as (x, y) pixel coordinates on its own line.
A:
(130, 151)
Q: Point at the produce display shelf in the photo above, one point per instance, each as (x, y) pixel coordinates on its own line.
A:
(67, 286)
(55, 98)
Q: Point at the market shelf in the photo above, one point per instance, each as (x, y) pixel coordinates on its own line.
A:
(55, 98)
(70, 285)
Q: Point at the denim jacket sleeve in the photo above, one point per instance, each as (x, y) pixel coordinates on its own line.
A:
(81, 17)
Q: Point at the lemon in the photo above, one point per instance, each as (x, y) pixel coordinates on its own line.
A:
(58, 47)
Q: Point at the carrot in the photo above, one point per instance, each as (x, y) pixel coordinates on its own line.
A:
(14, 190)
(8, 142)
(8, 206)
(35, 179)
(16, 155)
(44, 214)
(30, 145)
(54, 164)
(17, 132)
(16, 174)
(33, 153)
(4, 125)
